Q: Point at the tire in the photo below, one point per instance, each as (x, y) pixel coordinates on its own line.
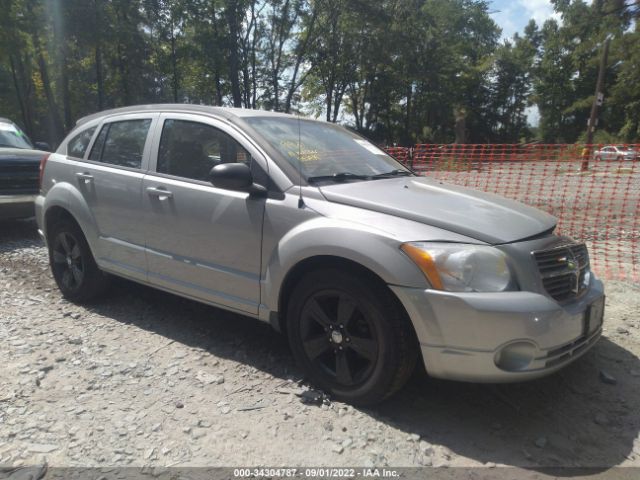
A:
(598, 158)
(351, 336)
(620, 158)
(72, 264)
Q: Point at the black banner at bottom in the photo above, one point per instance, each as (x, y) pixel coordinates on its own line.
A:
(44, 472)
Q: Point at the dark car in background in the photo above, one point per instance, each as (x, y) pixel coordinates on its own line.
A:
(19, 171)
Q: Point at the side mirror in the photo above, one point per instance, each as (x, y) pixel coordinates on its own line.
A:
(43, 146)
(235, 176)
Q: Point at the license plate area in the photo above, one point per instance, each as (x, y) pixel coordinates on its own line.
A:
(593, 316)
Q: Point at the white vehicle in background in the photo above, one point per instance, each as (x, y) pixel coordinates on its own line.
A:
(616, 152)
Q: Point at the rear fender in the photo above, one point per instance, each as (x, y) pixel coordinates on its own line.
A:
(65, 195)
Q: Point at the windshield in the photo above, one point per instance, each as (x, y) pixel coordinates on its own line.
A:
(12, 136)
(325, 149)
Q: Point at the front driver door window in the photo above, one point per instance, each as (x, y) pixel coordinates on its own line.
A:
(192, 149)
(201, 240)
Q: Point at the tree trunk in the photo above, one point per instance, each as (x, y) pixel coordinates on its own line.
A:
(216, 58)
(356, 108)
(54, 112)
(337, 101)
(301, 52)
(28, 89)
(174, 61)
(61, 60)
(122, 68)
(407, 119)
(234, 74)
(218, 89)
(329, 86)
(99, 80)
(246, 93)
(276, 92)
(21, 100)
(98, 55)
(254, 85)
(460, 127)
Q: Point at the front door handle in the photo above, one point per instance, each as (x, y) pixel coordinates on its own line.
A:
(86, 177)
(160, 192)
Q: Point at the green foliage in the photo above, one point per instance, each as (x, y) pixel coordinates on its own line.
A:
(398, 71)
(567, 65)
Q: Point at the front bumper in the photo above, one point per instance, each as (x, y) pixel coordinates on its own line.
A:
(463, 335)
(16, 206)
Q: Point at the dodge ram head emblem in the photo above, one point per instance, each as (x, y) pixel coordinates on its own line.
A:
(572, 266)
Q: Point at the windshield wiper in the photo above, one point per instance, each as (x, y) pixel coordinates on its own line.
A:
(338, 177)
(393, 173)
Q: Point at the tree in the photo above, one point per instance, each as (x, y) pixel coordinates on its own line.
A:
(397, 71)
(511, 88)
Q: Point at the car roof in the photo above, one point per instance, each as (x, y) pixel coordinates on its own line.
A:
(226, 112)
(5, 120)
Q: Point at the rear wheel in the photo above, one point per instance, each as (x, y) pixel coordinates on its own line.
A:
(72, 264)
(351, 336)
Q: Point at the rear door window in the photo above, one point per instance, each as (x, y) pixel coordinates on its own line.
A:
(121, 143)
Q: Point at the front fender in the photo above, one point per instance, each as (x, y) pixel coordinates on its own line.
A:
(323, 236)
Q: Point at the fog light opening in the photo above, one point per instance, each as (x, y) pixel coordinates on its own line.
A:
(516, 356)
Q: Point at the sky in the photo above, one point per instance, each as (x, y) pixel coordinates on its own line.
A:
(513, 15)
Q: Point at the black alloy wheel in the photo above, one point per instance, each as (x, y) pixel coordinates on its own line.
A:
(351, 335)
(72, 264)
(67, 262)
(338, 337)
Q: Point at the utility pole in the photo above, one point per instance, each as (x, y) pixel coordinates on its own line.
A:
(597, 101)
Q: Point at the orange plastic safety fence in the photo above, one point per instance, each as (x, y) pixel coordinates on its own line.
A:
(593, 190)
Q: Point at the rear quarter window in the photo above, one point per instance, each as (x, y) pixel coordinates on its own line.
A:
(77, 146)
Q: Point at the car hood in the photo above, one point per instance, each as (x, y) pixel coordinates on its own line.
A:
(483, 216)
(20, 156)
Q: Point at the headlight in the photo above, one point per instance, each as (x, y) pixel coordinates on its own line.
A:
(460, 267)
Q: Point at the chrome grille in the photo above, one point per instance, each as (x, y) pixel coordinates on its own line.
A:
(564, 270)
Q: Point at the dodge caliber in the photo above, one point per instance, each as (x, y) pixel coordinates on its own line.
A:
(364, 266)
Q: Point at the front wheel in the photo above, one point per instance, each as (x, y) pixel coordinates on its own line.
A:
(72, 264)
(351, 336)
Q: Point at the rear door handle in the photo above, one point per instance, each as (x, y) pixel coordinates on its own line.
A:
(160, 192)
(87, 177)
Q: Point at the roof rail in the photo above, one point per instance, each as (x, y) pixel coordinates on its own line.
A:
(114, 111)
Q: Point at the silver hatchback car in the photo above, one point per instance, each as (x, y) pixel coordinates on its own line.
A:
(365, 266)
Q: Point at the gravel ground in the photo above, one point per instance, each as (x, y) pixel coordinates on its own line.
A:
(147, 378)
